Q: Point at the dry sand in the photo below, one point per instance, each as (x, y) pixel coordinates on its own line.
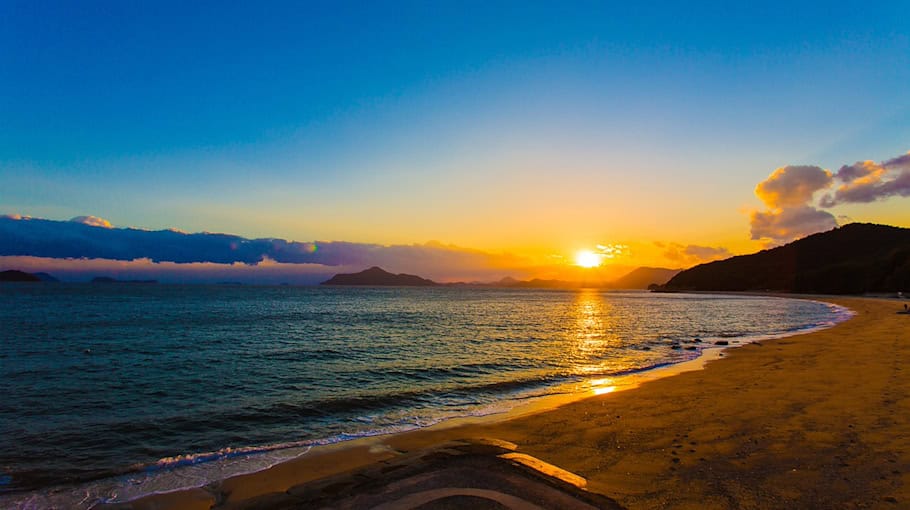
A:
(820, 420)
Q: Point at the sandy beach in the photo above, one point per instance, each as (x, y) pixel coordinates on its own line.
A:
(817, 420)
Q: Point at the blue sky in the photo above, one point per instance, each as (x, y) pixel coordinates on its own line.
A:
(505, 126)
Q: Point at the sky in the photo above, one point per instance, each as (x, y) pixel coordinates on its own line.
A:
(520, 131)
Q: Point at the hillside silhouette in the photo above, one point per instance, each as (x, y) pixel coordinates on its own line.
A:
(642, 277)
(378, 276)
(639, 278)
(853, 259)
(14, 275)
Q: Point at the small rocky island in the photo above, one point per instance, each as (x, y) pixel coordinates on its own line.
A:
(379, 277)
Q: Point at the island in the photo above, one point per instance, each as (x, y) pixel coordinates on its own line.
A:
(376, 276)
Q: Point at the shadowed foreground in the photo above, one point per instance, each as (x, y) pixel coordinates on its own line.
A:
(812, 421)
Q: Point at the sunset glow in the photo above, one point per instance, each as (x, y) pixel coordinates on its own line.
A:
(587, 258)
(230, 233)
(494, 151)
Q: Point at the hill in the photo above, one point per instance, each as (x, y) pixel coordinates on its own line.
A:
(642, 277)
(17, 276)
(44, 277)
(853, 259)
(378, 276)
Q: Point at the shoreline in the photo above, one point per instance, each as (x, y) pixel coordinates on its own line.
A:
(360, 452)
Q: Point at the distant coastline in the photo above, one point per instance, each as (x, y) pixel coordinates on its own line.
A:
(640, 279)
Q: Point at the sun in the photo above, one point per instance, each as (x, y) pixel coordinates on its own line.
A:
(587, 258)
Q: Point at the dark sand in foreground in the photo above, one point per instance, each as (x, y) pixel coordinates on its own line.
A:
(820, 420)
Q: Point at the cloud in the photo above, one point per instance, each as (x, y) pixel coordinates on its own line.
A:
(613, 251)
(693, 254)
(784, 225)
(76, 270)
(92, 221)
(867, 181)
(789, 192)
(792, 185)
(81, 240)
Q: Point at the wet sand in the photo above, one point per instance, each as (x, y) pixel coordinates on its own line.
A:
(820, 420)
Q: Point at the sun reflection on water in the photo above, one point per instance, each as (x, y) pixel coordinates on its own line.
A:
(592, 339)
(602, 386)
(589, 313)
(603, 390)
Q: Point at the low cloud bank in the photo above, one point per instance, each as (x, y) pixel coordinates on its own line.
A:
(94, 238)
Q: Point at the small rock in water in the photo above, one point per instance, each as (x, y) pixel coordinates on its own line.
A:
(691, 348)
(87, 351)
(721, 342)
(697, 340)
(676, 347)
(646, 348)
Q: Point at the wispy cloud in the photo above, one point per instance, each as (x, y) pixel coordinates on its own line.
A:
(613, 250)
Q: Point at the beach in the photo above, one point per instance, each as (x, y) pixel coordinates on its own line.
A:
(817, 420)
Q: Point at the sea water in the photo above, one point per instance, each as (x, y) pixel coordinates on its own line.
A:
(111, 392)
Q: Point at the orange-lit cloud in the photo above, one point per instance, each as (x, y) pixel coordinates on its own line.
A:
(785, 225)
(93, 221)
(613, 251)
(788, 192)
(792, 186)
(867, 181)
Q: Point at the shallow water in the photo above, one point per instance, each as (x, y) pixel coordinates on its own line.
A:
(130, 389)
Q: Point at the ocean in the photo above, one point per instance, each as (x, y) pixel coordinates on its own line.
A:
(114, 391)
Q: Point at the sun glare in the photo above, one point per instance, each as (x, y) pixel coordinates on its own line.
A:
(586, 258)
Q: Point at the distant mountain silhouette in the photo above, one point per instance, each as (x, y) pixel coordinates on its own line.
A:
(378, 276)
(108, 279)
(853, 259)
(639, 278)
(642, 277)
(17, 276)
(44, 277)
(538, 283)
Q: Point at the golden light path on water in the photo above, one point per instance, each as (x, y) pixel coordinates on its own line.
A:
(594, 324)
(592, 337)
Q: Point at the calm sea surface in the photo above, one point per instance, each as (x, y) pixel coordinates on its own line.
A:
(114, 391)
